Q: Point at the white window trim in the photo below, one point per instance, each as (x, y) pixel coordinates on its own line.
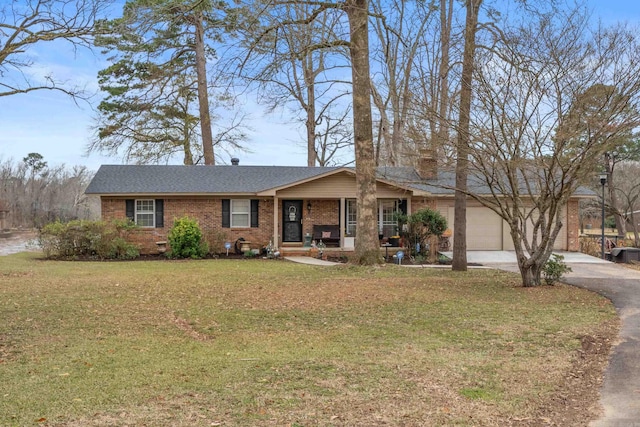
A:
(351, 204)
(232, 213)
(381, 222)
(350, 225)
(152, 212)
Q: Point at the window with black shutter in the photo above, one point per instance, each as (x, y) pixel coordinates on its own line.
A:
(145, 212)
(130, 209)
(240, 213)
(254, 213)
(159, 213)
(226, 213)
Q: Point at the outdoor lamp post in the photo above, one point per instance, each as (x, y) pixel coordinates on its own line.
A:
(603, 181)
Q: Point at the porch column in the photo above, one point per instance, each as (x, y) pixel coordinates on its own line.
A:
(276, 209)
(342, 220)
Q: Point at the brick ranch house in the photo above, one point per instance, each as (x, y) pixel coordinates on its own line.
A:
(281, 204)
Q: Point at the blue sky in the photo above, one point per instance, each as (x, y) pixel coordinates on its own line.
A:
(51, 124)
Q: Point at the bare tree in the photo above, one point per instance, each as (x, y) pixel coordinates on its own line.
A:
(442, 98)
(334, 136)
(535, 135)
(435, 86)
(398, 27)
(37, 194)
(627, 150)
(299, 63)
(24, 25)
(628, 191)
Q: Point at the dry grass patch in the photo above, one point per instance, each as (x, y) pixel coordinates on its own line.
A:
(238, 343)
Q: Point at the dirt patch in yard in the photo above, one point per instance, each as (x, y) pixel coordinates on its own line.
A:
(576, 401)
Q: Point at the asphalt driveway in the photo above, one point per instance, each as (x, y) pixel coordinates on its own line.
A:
(620, 394)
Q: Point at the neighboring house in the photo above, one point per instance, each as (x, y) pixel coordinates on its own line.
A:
(281, 204)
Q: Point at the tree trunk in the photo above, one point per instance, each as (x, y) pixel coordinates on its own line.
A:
(384, 133)
(186, 144)
(203, 95)
(446, 16)
(621, 225)
(310, 123)
(636, 235)
(462, 161)
(367, 244)
(531, 274)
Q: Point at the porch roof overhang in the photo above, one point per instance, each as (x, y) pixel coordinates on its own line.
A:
(273, 192)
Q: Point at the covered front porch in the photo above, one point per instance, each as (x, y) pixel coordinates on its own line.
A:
(301, 224)
(324, 208)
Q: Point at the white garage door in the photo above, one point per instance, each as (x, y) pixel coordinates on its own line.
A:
(484, 227)
(484, 230)
(487, 231)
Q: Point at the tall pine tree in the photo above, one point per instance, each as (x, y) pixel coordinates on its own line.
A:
(157, 90)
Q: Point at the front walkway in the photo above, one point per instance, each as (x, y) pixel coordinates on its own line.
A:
(310, 260)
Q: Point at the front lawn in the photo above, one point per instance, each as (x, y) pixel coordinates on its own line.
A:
(272, 343)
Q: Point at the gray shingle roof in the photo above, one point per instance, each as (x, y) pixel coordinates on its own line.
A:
(159, 179)
(446, 182)
(224, 179)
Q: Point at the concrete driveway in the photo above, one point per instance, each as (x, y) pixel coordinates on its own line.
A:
(620, 394)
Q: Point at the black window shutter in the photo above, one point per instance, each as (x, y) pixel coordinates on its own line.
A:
(159, 213)
(130, 209)
(254, 213)
(226, 213)
(402, 206)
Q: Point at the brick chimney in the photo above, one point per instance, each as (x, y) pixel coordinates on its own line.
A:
(427, 164)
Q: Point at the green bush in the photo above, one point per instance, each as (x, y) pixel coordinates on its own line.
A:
(87, 239)
(554, 269)
(419, 227)
(185, 239)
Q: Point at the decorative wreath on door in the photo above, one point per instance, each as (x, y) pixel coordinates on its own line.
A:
(292, 213)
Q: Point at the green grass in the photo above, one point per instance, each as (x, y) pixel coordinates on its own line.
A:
(252, 342)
